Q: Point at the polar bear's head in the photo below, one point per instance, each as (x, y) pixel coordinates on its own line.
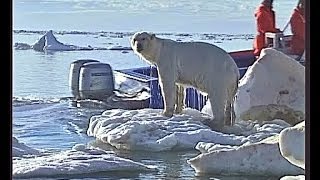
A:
(143, 44)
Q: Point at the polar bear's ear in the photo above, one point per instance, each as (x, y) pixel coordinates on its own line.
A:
(152, 36)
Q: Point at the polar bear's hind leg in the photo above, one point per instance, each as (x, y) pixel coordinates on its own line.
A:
(218, 102)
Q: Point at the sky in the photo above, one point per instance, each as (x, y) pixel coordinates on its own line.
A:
(125, 15)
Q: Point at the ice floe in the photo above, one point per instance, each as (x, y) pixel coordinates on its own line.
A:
(19, 149)
(272, 88)
(147, 129)
(292, 144)
(79, 161)
(261, 158)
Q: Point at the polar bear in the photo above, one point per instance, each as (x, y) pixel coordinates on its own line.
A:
(204, 66)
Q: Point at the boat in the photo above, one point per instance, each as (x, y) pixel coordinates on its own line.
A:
(148, 76)
(194, 98)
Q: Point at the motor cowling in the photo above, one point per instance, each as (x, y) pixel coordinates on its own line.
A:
(74, 75)
(96, 81)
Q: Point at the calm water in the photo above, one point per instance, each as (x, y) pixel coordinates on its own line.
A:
(43, 121)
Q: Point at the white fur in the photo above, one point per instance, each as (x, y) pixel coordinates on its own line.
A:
(202, 65)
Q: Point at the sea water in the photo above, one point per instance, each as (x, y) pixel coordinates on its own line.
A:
(42, 115)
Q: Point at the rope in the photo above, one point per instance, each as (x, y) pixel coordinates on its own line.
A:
(286, 26)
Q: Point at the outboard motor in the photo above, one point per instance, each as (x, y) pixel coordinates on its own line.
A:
(74, 75)
(96, 81)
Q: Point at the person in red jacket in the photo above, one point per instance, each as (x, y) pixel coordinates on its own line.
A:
(265, 20)
(297, 23)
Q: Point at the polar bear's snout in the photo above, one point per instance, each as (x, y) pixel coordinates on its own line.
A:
(141, 41)
(137, 43)
(139, 47)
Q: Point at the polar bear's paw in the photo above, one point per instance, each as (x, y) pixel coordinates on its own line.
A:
(214, 124)
(179, 109)
(167, 113)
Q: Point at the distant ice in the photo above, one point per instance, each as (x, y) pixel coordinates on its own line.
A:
(79, 160)
(124, 46)
(120, 48)
(22, 46)
(147, 129)
(172, 35)
(49, 42)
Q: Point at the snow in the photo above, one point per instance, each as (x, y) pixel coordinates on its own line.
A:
(80, 160)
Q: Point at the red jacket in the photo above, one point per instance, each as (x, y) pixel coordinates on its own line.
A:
(297, 29)
(265, 19)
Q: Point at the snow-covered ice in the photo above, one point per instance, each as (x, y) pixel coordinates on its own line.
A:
(262, 158)
(19, 149)
(79, 160)
(274, 79)
(272, 88)
(147, 129)
(292, 144)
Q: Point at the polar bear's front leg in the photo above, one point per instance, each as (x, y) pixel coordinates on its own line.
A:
(168, 90)
(180, 98)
